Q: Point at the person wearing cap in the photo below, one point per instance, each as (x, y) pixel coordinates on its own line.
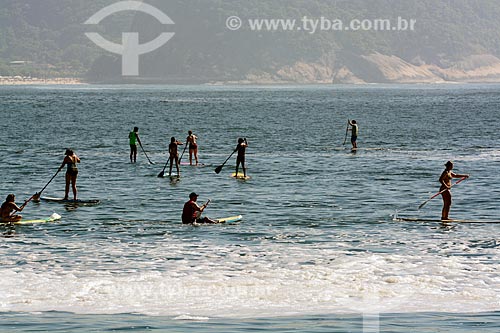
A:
(445, 188)
(191, 213)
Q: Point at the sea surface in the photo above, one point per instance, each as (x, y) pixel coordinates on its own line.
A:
(318, 249)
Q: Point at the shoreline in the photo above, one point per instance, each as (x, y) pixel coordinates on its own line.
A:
(26, 81)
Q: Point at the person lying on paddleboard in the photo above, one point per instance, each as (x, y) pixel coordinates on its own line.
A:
(191, 213)
(70, 159)
(193, 147)
(174, 155)
(134, 138)
(445, 181)
(354, 133)
(9, 207)
(240, 159)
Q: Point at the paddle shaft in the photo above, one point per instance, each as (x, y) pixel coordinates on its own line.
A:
(50, 181)
(219, 168)
(183, 151)
(441, 192)
(140, 144)
(346, 131)
(206, 203)
(164, 168)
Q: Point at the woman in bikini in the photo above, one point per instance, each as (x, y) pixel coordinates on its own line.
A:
(445, 181)
(193, 147)
(71, 159)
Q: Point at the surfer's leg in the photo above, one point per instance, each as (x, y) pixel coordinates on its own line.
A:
(446, 205)
(66, 188)
(73, 186)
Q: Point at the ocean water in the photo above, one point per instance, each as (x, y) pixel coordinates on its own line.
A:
(317, 249)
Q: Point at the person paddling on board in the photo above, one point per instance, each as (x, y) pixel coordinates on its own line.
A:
(9, 207)
(445, 181)
(70, 160)
(174, 155)
(191, 213)
(240, 158)
(133, 139)
(193, 147)
(354, 133)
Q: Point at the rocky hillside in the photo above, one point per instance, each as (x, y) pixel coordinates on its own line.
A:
(453, 41)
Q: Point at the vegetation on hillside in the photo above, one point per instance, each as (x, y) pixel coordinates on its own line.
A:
(50, 35)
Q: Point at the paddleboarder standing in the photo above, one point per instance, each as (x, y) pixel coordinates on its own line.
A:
(191, 213)
(354, 133)
(174, 155)
(133, 139)
(445, 181)
(193, 147)
(70, 160)
(240, 158)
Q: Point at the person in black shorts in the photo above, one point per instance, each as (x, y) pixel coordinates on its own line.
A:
(240, 158)
(70, 160)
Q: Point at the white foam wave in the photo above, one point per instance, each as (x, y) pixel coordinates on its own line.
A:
(345, 284)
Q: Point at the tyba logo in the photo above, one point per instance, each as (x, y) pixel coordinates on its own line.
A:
(130, 49)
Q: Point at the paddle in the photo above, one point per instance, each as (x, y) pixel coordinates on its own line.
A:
(183, 152)
(162, 173)
(346, 131)
(219, 168)
(440, 192)
(37, 195)
(206, 203)
(27, 201)
(140, 144)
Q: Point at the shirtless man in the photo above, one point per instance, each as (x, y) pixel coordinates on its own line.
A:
(445, 181)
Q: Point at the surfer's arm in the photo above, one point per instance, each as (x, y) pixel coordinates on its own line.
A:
(63, 164)
(17, 208)
(454, 175)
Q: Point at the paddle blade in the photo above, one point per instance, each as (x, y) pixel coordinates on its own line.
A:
(161, 174)
(218, 169)
(36, 197)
